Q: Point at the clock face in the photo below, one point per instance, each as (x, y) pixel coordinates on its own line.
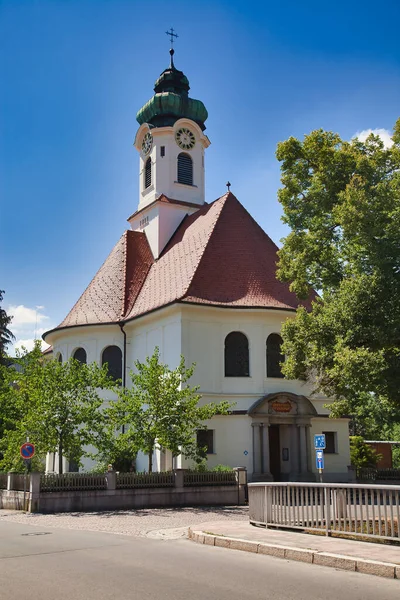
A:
(147, 143)
(185, 138)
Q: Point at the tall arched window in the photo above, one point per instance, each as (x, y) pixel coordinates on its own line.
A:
(274, 355)
(147, 173)
(80, 355)
(59, 357)
(185, 169)
(236, 355)
(112, 355)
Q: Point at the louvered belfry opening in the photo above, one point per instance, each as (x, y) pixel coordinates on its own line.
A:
(274, 356)
(185, 169)
(236, 355)
(147, 173)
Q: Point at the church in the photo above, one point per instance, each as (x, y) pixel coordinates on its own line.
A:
(198, 279)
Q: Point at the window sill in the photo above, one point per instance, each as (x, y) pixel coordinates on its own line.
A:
(237, 376)
(189, 185)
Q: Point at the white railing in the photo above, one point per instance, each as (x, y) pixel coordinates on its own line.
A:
(371, 511)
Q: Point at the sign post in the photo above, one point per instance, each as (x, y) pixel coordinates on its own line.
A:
(319, 445)
(27, 451)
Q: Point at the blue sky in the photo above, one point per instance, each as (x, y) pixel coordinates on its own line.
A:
(74, 74)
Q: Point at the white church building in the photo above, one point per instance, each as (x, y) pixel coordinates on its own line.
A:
(199, 279)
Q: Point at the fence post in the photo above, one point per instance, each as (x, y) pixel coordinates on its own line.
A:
(178, 477)
(111, 478)
(241, 481)
(34, 493)
(10, 481)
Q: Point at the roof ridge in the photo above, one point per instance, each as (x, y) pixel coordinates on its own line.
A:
(125, 254)
(223, 200)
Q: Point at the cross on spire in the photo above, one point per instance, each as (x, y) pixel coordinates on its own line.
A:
(172, 35)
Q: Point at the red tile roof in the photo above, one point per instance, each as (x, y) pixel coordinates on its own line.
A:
(114, 288)
(218, 256)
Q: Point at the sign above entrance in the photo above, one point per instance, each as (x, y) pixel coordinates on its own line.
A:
(280, 406)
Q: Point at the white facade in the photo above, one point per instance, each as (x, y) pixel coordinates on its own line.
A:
(198, 333)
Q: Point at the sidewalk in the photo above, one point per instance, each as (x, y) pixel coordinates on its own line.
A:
(364, 557)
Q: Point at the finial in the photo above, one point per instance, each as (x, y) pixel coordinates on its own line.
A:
(172, 35)
(228, 185)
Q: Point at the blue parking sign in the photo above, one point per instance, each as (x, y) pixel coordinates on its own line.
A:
(319, 459)
(319, 442)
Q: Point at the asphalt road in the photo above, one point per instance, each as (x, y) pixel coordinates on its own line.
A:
(76, 565)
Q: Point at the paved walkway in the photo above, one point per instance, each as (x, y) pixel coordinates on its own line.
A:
(147, 522)
(377, 559)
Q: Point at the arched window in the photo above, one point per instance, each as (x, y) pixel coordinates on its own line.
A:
(59, 357)
(147, 173)
(236, 355)
(112, 355)
(185, 169)
(274, 355)
(80, 355)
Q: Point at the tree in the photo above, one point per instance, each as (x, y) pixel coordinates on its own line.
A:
(361, 454)
(58, 406)
(342, 202)
(160, 407)
(6, 337)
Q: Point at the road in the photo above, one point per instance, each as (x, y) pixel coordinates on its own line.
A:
(46, 564)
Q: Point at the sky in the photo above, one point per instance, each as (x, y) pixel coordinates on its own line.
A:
(74, 73)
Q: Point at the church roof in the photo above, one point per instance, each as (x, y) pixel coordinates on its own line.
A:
(218, 256)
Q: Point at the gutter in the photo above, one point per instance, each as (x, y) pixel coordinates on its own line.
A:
(121, 325)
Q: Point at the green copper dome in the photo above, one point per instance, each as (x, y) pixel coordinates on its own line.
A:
(171, 101)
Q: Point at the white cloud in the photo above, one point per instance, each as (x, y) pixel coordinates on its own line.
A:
(28, 344)
(28, 324)
(384, 134)
(22, 315)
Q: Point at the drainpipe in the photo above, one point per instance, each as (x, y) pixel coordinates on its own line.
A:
(121, 325)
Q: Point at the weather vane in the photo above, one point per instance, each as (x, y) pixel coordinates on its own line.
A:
(172, 35)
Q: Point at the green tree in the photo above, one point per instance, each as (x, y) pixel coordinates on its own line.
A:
(58, 405)
(361, 454)
(342, 202)
(160, 407)
(6, 336)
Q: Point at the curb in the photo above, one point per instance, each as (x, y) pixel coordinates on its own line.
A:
(336, 561)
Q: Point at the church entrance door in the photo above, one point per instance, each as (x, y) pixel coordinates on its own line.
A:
(275, 452)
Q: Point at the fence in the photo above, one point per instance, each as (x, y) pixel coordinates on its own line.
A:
(3, 481)
(371, 511)
(72, 492)
(71, 482)
(194, 478)
(144, 480)
(372, 474)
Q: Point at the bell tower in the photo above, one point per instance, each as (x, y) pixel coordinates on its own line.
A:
(171, 144)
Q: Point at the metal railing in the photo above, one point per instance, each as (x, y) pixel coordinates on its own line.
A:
(194, 478)
(371, 511)
(144, 480)
(3, 481)
(71, 482)
(372, 474)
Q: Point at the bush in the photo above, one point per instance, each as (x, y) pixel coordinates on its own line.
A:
(222, 468)
(361, 454)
